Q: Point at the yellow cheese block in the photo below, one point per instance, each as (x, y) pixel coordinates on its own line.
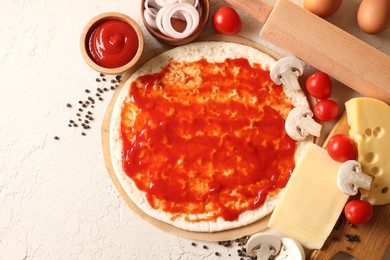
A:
(311, 202)
(369, 121)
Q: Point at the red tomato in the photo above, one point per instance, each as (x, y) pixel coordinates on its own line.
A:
(227, 21)
(326, 110)
(358, 211)
(319, 85)
(341, 148)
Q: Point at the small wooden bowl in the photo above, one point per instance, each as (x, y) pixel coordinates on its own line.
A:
(91, 25)
(177, 24)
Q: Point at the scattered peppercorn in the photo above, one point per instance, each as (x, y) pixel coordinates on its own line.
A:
(205, 247)
(89, 102)
(217, 254)
(352, 238)
(193, 244)
(56, 138)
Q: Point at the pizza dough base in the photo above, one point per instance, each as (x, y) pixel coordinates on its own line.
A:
(212, 52)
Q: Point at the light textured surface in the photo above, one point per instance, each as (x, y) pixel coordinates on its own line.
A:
(57, 200)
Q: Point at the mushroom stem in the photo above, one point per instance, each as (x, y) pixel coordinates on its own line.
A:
(290, 80)
(286, 71)
(265, 252)
(308, 125)
(350, 178)
(300, 123)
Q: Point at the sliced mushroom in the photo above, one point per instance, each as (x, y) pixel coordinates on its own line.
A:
(263, 246)
(350, 178)
(291, 250)
(300, 124)
(286, 71)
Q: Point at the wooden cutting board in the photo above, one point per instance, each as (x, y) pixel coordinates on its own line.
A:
(374, 236)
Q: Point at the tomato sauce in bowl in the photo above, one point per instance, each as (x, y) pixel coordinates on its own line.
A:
(112, 43)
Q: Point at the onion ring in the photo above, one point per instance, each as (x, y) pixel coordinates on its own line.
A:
(159, 19)
(150, 17)
(151, 3)
(188, 11)
(163, 3)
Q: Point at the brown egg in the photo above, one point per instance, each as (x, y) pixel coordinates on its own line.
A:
(322, 8)
(374, 16)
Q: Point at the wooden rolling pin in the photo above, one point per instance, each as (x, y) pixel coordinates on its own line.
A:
(323, 45)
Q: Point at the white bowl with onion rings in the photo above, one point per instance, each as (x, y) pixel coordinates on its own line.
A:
(175, 22)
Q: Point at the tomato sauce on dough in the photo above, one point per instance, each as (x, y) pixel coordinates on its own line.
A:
(113, 43)
(207, 138)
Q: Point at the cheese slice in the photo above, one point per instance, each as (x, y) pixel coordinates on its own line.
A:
(369, 121)
(311, 202)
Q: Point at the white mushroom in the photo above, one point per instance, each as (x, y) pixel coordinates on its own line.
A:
(263, 245)
(300, 124)
(350, 177)
(286, 71)
(291, 250)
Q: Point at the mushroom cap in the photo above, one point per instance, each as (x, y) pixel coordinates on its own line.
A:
(350, 178)
(289, 63)
(300, 123)
(291, 249)
(263, 239)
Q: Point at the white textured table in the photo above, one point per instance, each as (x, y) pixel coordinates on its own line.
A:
(57, 200)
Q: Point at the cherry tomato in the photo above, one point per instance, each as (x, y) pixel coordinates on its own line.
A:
(326, 110)
(341, 148)
(227, 21)
(319, 85)
(358, 211)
